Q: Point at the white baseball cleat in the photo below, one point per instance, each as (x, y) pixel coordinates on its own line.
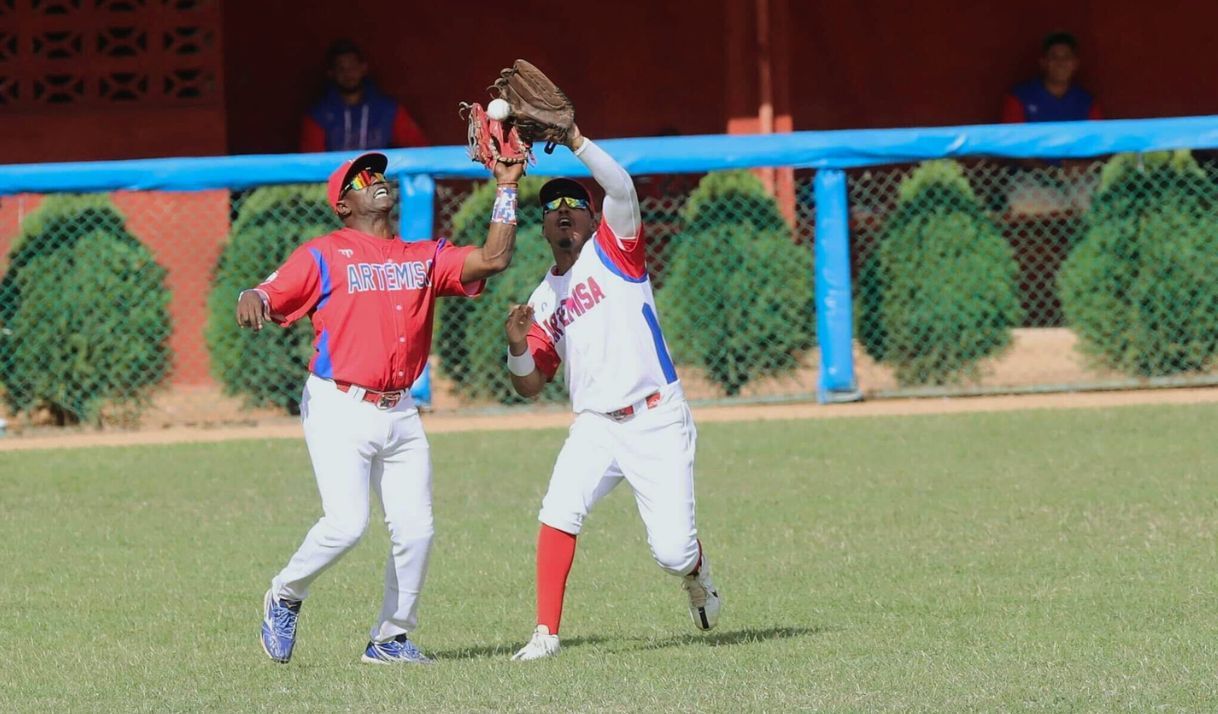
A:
(542, 644)
(704, 600)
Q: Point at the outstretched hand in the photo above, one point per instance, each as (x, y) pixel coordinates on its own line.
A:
(252, 310)
(519, 322)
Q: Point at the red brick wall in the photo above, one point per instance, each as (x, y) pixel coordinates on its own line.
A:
(185, 232)
(110, 80)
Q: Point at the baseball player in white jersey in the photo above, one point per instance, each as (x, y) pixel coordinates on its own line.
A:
(594, 314)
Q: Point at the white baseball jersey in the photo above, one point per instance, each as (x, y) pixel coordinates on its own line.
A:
(599, 320)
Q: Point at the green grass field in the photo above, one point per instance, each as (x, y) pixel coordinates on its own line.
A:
(1061, 561)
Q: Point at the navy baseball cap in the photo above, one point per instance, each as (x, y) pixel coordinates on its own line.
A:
(342, 175)
(560, 187)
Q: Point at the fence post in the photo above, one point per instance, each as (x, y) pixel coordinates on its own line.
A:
(417, 220)
(834, 309)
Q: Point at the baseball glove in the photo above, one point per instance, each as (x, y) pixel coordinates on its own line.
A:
(492, 141)
(540, 110)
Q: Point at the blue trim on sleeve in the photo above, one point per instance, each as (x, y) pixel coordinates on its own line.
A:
(323, 364)
(613, 267)
(670, 372)
(324, 269)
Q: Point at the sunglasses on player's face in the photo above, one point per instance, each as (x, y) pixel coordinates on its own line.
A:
(364, 179)
(568, 201)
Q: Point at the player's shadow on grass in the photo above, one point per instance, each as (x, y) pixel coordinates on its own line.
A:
(721, 638)
(507, 650)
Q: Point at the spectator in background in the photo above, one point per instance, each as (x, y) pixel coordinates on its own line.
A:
(1053, 96)
(355, 115)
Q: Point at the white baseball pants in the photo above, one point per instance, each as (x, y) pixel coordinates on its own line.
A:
(653, 451)
(356, 447)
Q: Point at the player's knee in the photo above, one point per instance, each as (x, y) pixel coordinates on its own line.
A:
(564, 521)
(344, 534)
(676, 556)
(411, 531)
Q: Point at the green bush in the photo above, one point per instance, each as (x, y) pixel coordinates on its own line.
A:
(470, 338)
(1141, 288)
(939, 292)
(738, 299)
(84, 317)
(731, 198)
(267, 367)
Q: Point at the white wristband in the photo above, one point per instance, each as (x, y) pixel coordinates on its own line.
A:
(521, 365)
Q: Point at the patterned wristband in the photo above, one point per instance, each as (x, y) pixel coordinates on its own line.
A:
(505, 205)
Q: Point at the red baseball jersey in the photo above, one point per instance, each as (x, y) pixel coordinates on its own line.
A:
(372, 301)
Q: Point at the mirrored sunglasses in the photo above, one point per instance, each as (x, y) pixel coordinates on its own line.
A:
(363, 180)
(569, 201)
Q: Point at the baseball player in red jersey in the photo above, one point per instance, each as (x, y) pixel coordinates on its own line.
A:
(594, 315)
(371, 298)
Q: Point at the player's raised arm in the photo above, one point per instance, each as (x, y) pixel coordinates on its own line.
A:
(495, 255)
(621, 207)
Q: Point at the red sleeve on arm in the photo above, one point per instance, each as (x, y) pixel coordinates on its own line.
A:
(628, 256)
(1012, 110)
(1095, 112)
(295, 288)
(446, 271)
(544, 355)
(406, 133)
(312, 136)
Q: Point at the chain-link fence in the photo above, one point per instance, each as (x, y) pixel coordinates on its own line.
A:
(118, 308)
(996, 276)
(969, 276)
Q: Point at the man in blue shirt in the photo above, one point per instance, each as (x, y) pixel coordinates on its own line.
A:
(355, 115)
(1053, 96)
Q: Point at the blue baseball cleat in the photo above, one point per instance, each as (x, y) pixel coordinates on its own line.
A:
(279, 627)
(398, 650)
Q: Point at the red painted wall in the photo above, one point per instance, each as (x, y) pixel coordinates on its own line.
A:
(633, 68)
(185, 232)
(638, 67)
(882, 63)
(644, 66)
(96, 134)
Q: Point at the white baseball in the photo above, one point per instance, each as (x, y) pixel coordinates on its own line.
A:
(498, 109)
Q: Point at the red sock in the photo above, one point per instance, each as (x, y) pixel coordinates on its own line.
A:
(555, 553)
(698, 565)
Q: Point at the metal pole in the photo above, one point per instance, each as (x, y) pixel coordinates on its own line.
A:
(834, 313)
(416, 222)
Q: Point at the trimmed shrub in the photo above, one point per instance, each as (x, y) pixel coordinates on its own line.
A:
(84, 318)
(1141, 287)
(469, 335)
(731, 198)
(267, 368)
(738, 299)
(939, 293)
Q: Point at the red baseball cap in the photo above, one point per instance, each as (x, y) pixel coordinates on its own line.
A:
(343, 174)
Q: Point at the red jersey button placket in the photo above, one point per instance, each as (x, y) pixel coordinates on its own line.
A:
(399, 350)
